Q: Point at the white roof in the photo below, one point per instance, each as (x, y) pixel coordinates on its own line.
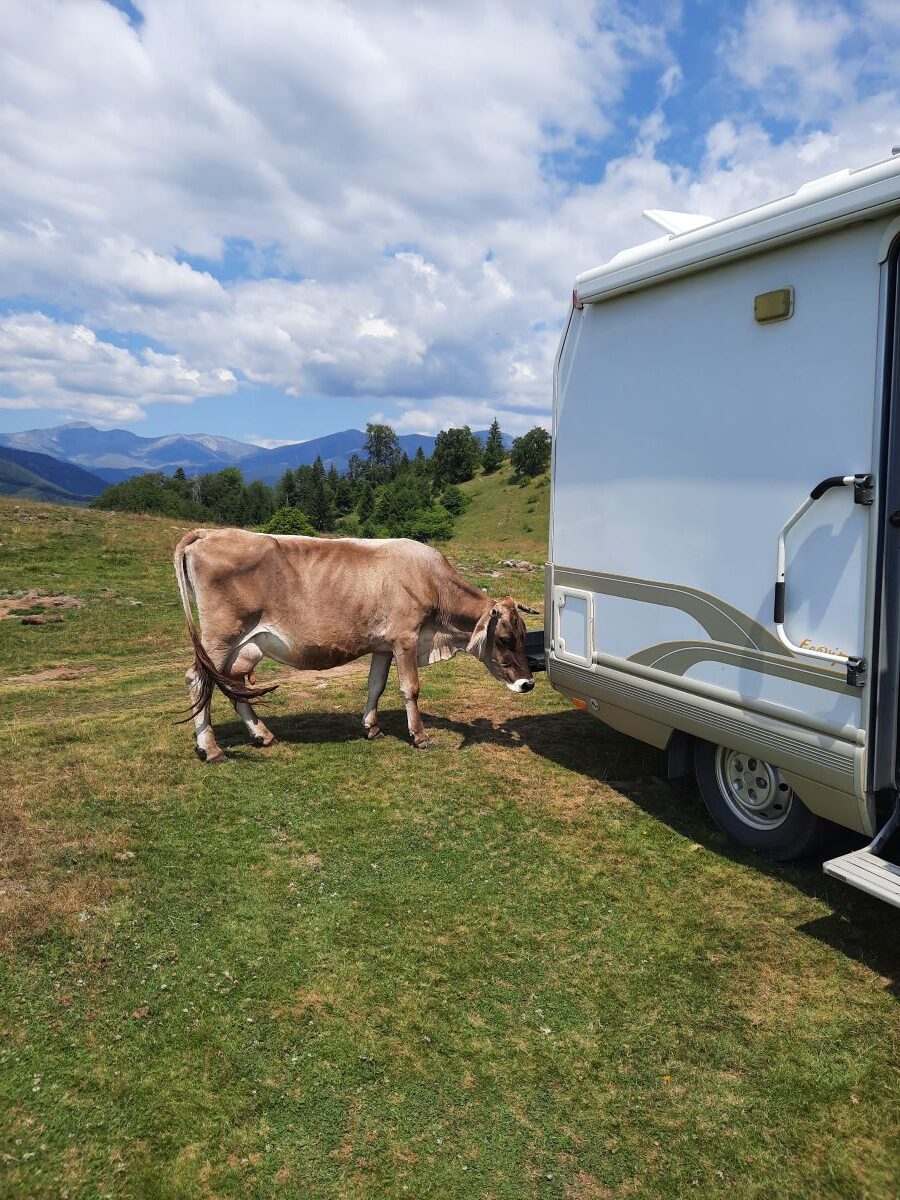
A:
(839, 199)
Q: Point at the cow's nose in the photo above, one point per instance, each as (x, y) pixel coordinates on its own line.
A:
(521, 685)
(527, 685)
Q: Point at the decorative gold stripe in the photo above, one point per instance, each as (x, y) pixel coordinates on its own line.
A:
(676, 658)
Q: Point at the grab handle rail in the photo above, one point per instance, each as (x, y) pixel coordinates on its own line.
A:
(863, 493)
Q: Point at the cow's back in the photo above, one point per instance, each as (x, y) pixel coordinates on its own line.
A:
(358, 586)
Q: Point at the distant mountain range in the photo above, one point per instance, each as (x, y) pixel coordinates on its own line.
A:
(335, 450)
(116, 454)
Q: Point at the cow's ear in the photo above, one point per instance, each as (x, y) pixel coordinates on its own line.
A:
(483, 633)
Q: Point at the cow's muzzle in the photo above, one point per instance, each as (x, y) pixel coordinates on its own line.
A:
(521, 685)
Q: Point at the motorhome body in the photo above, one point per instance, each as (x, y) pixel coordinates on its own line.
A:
(724, 576)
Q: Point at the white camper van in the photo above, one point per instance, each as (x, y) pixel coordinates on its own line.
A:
(724, 576)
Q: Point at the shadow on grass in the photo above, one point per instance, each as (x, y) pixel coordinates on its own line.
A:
(298, 729)
(858, 926)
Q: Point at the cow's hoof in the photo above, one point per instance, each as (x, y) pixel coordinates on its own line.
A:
(211, 759)
(424, 744)
(262, 743)
(372, 735)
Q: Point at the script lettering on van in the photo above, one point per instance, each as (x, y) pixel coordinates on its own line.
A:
(807, 644)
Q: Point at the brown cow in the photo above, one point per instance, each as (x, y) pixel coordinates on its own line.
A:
(315, 603)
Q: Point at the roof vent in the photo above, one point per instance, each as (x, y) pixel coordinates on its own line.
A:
(827, 183)
(677, 222)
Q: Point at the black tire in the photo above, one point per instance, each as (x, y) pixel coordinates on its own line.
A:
(798, 834)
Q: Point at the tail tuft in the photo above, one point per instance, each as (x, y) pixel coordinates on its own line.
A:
(210, 677)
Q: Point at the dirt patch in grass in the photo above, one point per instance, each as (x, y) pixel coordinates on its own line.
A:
(296, 683)
(357, 667)
(48, 676)
(19, 604)
(307, 1005)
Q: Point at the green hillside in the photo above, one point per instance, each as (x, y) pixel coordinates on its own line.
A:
(19, 482)
(503, 512)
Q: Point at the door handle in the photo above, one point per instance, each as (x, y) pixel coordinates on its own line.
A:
(863, 493)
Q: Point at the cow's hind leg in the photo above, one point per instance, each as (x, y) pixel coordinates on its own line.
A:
(242, 668)
(378, 674)
(207, 746)
(407, 672)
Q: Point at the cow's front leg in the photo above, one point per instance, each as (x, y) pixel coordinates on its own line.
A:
(378, 674)
(408, 675)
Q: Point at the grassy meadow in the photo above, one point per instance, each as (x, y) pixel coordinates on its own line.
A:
(518, 965)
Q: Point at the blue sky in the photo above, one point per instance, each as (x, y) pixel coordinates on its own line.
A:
(276, 220)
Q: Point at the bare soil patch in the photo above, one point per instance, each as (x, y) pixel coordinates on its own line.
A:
(18, 604)
(49, 675)
(359, 666)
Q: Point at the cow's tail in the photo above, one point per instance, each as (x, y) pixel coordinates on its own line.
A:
(208, 675)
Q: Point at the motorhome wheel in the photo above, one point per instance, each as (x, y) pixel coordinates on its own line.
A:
(748, 800)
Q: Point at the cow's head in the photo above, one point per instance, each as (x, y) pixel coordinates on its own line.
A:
(499, 641)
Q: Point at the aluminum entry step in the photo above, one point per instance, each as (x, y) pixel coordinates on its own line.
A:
(864, 870)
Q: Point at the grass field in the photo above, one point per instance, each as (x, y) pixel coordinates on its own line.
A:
(518, 965)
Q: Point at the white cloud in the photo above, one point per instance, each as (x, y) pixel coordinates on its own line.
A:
(446, 411)
(885, 11)
(377, 150)
(789, 52)
(269, 443)
(49, 364)
(326, 127)
(375, 327)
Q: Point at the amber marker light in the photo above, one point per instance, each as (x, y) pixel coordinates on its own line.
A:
(580, 704)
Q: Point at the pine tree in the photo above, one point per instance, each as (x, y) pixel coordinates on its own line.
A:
(340, 490)
(286, 490)
(494, 452)
(318, 504)
(181, 483)
(365, 501)
(259, 503)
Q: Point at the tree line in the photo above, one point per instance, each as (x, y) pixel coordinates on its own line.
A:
(384, 494)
